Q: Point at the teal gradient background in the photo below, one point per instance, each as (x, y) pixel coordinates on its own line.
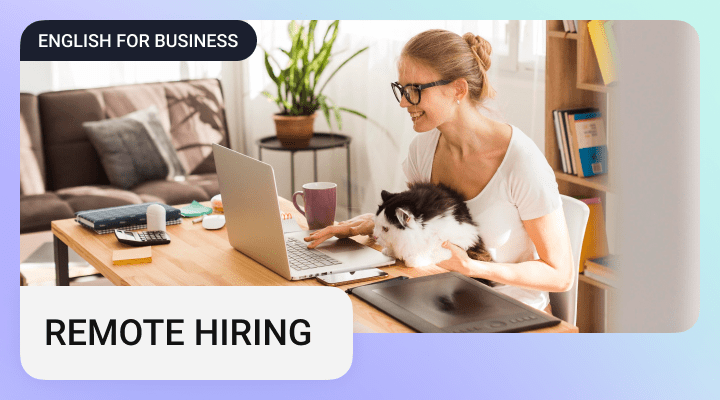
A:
(610, 366)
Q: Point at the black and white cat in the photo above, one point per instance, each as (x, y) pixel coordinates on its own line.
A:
(412, 225)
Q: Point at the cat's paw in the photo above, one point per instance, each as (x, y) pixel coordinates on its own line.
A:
(418, 261)
(388, 252)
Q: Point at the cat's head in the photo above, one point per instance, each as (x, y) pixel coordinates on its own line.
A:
(394, 216)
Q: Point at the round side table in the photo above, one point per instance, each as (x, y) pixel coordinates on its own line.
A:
(319, 141)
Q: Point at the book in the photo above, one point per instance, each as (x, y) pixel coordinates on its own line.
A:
(570, 144)
(595, 243)
(603, 51)
(137, 255)
(561, 143)
(610, 281)
(565, 135)
(121, 217)
(603, 269)
(589, 140)
(607, 265)
(128, 228)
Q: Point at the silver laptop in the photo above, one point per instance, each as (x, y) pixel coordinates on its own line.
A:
(254, 225)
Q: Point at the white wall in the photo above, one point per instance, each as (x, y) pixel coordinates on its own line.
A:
(35, 76)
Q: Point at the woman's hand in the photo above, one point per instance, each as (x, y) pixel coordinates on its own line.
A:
(459, 262)
(360, 225)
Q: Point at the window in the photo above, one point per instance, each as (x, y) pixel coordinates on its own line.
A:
(520, 45)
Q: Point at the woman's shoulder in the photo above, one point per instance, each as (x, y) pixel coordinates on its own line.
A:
(523, 152)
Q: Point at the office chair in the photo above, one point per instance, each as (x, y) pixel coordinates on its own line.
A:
(564, 304)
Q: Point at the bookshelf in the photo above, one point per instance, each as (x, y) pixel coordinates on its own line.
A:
(573, 80)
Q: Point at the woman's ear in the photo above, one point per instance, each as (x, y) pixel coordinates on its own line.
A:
(460, 86)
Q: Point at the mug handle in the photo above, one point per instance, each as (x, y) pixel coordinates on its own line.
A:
(294, 200)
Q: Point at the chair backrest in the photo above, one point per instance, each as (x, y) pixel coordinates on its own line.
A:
(564, 304)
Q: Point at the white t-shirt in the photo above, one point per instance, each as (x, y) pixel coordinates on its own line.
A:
(523, 188)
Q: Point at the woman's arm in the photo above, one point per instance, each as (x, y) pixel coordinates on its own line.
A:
(361, 225)
(553, 272)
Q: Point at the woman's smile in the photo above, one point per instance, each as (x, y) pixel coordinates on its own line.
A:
(416, 114)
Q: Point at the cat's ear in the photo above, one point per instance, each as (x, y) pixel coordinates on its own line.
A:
(385, 195)
(403, 216)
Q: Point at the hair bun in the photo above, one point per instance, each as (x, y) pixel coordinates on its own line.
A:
(481, 48)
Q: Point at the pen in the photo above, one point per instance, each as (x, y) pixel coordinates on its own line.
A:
(399, 278)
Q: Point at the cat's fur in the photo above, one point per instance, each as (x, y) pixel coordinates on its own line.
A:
(412, 225)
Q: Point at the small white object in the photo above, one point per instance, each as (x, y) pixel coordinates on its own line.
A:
(213, 221)
(155, 217)
(216, 203)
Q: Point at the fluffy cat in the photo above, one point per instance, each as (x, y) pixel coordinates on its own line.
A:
(412, 225)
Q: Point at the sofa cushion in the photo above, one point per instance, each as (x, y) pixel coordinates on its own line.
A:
(122, 100)
(70, 157)
(32, 166)
(209, 183)
(126, 149)
(172, 193)
(37, 211)
(197, 116)
(82, 198)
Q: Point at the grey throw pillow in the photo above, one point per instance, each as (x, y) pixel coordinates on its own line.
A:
(134, 148)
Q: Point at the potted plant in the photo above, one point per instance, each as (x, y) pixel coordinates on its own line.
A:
(297, 84)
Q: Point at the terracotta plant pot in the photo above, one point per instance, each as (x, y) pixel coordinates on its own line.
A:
(294, 132)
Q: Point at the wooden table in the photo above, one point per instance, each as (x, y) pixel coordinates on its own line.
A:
(198, 257)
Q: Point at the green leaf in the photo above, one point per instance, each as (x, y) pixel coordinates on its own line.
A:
(359, 114)
(325, 109)
(338, 118)
(311, 36)
(270, 69)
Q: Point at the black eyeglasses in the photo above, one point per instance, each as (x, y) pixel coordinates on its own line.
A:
(412, 91)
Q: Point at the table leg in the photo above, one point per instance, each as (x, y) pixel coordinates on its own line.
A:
(259, 153)
(349, 180)
(61, 262)
(315, 165)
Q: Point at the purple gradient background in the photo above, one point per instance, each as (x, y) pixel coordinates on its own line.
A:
(611, 366)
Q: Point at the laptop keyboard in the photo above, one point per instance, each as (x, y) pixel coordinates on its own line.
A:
(302, 258)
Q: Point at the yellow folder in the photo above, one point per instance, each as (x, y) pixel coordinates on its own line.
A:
(604, 43)
(595, 243)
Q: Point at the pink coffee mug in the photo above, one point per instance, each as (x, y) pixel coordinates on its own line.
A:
(320, 199)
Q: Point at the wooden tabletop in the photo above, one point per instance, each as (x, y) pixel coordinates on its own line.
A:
(199, 257)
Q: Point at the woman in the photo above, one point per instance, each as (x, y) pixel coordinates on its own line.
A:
(508, 185)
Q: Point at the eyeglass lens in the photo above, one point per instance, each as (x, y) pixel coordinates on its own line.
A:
(412, 94)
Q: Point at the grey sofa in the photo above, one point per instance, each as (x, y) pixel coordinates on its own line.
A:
(61, 173)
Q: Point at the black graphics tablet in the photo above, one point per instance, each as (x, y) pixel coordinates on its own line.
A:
(452, 302)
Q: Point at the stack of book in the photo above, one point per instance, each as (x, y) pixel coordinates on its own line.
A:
(570, 25)
(130, 217)
(603, 269)
(582, 141)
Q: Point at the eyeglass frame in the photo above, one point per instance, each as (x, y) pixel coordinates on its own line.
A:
(403, 92)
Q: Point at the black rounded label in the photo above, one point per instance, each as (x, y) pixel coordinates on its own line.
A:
(137, 41)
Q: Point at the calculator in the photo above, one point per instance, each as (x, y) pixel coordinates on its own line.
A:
(142, 238)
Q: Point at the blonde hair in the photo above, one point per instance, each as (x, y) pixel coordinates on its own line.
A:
(454, 57)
